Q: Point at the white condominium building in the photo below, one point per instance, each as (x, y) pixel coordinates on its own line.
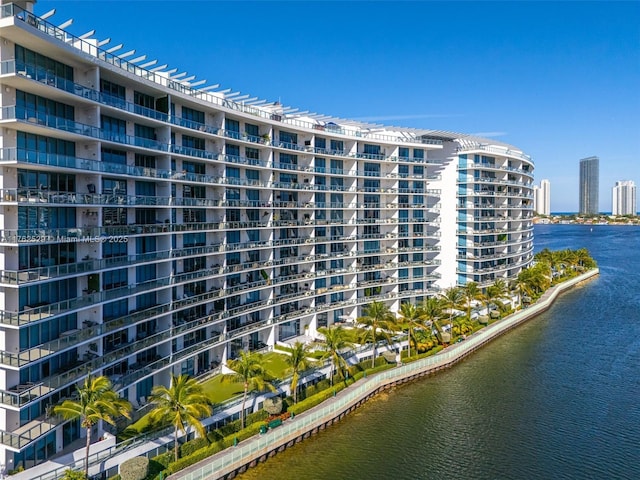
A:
(542, 198)
(149, 225)
(624, 198)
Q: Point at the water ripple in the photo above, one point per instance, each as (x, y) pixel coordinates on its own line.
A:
(554, 399)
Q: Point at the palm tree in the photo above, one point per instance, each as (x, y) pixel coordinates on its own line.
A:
(521, 287)
(430, 311)
(184, 403)
(495, 293)
(451, 299)
(96, 401)
(377, 318)
(298, 362)
(335, 340)
(538, 277)
(584, 258)
(548, 256)
(248, 369)
(470, 292)
(411, 317)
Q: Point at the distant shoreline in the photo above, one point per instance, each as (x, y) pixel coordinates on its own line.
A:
(576, 219)
(570, 214)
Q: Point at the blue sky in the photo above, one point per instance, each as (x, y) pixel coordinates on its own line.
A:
(561, 80)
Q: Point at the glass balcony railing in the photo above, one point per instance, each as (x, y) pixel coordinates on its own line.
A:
(67, 125)
(29, 433)
(78, 234)
(496, 150)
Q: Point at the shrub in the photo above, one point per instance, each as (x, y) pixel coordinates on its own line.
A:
(230, 428)
(155, 467)
(164, 459)
(380, 368)
(314, 400)
(136, 468)
(323, 384)
(214, 448)
(214, 436)
(433, 351)
(192, 445)
(256, 417)
(72, 475)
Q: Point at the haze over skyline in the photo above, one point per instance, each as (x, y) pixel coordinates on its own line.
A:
(557, 79)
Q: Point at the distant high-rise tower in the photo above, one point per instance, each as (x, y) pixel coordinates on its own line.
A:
(624, 198)
(542, 198)
(589, 175)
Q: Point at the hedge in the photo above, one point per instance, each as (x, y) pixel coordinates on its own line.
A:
(164, 459)
(433, 351)
(191, 446)
(136, 468)
(214, 448)
(227, 435)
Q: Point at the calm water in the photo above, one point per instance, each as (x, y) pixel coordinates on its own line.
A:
(558, 398)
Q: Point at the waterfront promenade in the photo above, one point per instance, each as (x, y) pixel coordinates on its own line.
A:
(259, 448)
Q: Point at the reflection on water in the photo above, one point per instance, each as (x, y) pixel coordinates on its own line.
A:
(558, 398)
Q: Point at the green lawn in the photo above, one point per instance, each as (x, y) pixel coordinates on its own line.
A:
(276, 364)
(219, 391)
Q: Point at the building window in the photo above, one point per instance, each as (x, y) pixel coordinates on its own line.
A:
(371, 149)
(193, 115)
(193, 142)
(287, 160)
(252, 130)
(146, 189)
(143, 131)
(146, 161)
(45, 110)
(288, 137)
(112, 89)
(110, 155)
(193, 167)
(39, 143)
(115, 279)
(113, 128)
(337, 146)
(143, 100)
(30, 61)
(252, 153)
(232, 125)
(112, 186)
(112, 249)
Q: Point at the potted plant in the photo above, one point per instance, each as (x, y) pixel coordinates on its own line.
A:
(266, 139)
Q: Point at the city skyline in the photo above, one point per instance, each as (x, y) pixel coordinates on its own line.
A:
(537, 82)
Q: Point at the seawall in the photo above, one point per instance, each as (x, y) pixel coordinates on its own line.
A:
(228, 463)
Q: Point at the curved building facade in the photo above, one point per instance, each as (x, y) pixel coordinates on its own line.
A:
(149, 227)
